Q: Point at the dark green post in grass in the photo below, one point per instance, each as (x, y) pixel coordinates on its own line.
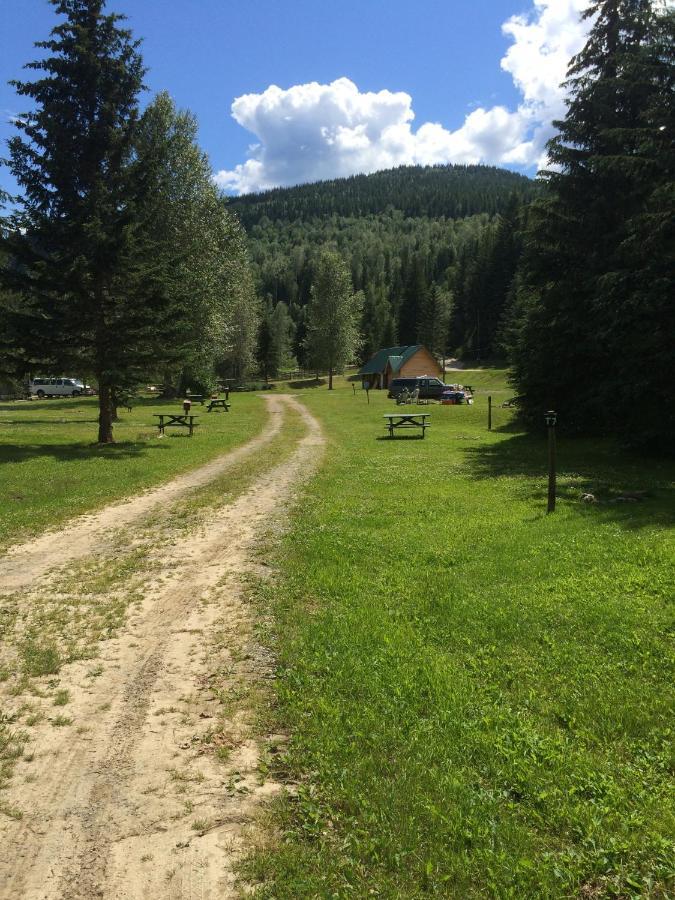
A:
(551, 419)
(490, 413)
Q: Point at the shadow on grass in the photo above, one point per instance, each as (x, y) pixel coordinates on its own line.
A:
(59, 422)
(16, 453)
(307, 383)
(584, 466)
(71, 403)
(400, 437)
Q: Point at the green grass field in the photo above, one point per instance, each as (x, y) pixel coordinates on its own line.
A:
(479, 695)
(51, 471)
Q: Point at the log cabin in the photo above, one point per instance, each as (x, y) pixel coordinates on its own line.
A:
(398, 362)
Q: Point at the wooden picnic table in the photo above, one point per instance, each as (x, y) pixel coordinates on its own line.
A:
(407, 420)
(196, 398)
(218, 403)
(177, 420)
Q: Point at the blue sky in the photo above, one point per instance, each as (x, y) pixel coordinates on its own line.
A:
(358, 85)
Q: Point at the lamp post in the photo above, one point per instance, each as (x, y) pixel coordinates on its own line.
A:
(551, 419)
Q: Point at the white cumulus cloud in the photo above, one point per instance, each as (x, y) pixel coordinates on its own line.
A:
(313, 131)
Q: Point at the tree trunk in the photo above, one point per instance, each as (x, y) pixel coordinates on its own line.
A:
(330, 379)
(105, 414)
(114, 403)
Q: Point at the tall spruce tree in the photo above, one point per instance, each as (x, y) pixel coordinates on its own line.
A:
(283, 329)
(267, 351)
(597, 333)
(275, 338)
(434, 317)
(414, 299)
(333, 317)
(90, 278)
(377, 323)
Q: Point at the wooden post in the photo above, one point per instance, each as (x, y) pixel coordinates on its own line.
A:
(354, 388)
(368, 395)
(550, 422)
(490, 413)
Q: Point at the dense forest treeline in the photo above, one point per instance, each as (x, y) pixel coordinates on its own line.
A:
(405, 264)
(443, 191)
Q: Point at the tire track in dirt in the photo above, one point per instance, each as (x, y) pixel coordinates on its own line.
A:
(101, 819)
(27, 563)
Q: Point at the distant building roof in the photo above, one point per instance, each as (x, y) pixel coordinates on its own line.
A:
(396, 356)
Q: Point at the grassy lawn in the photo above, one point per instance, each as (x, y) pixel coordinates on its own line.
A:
(51, 471)
(479, 695)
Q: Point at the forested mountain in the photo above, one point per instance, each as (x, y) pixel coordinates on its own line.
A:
(451, 192)
(424, 245)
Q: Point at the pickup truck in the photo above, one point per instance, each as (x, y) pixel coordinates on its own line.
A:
(430, 388)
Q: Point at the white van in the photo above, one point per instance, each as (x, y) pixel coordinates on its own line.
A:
(56, 387)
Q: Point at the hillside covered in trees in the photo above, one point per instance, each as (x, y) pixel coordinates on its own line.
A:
(451, 192)
(433, 249)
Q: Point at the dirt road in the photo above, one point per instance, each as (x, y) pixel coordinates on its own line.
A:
(75, 540)
(151, 791)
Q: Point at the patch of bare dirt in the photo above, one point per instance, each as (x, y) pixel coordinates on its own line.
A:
(151, 791)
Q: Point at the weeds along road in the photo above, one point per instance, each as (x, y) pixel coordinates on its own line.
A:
(149, 786)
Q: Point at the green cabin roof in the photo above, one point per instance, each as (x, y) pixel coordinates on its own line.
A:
(396, 356)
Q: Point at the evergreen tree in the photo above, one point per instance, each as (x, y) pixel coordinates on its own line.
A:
(266, 349)
(377, 325)
(501, 265)
(333, 316)
(274, 339)
(414, 300)
(599, 245)
(434, 317)
(283, 330)
(242, 327)
(81, 258)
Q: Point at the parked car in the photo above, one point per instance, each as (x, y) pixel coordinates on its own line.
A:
(56, 387)
(429, 388)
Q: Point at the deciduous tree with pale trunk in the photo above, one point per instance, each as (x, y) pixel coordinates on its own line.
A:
(333, 317)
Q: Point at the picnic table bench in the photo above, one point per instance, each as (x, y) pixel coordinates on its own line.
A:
(218, 403)
(177, 420)
(196, 398)
(407, 420)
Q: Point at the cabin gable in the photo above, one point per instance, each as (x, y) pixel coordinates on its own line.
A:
(397, 362)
